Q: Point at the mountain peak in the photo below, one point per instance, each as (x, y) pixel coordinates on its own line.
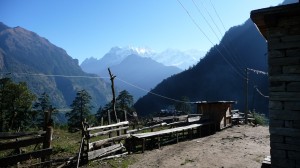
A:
(3, 26)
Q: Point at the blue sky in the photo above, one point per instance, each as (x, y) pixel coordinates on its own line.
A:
(91, 28)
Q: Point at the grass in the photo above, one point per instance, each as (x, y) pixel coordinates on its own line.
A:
(64, 143)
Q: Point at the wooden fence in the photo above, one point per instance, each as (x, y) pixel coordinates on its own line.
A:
(93, 147)
(15, 145)
(16, 142)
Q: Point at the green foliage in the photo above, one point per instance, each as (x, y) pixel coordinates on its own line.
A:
(124, 102)
(15, 105)
(42, 105)
(260, 119)
(80, 110)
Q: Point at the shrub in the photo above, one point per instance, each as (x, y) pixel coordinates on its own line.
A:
(260, 119)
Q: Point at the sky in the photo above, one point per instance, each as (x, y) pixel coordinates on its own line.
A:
(91, 28)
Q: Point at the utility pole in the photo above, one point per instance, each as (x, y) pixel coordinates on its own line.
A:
(112, 77)
(246, 98)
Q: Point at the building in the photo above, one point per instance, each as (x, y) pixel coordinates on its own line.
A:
(218, 111)
(281, 27)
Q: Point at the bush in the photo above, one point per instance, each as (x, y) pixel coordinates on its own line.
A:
(260, 119)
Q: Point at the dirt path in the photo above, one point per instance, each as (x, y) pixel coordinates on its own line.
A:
(239, 146)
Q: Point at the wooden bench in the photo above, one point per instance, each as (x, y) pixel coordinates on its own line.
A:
(142, 137)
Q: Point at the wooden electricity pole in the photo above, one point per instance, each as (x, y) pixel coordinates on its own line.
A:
(246, 98)
(112, 77)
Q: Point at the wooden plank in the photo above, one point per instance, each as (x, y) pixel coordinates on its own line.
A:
(10, 160)
(104, 151)
(193, 119)
(115, 156)
(167, 131)
(21, 143)
(12, 135)
(150, 127)
(99, 143)
(108, 131)
(109, 126)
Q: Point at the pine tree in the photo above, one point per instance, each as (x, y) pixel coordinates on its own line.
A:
(42, 105)
(125, 101)
(15, 105)
(80, 110)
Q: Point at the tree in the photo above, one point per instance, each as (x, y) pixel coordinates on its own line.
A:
(184, 106)
(42, 105)
(16, 102)
(80, 110)
(124, 103)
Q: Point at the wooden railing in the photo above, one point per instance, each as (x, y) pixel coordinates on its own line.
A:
(100, 148)
(20, 140)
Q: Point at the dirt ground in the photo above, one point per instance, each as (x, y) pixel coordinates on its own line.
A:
(239, 146)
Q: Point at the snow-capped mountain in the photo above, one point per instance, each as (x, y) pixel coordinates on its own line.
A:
(170, 57)
(180, 59)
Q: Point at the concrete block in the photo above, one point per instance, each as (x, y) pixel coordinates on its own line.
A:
(292, 105)
(293, 86)
(275, 105)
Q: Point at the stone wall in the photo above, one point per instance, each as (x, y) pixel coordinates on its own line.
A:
(281, 28)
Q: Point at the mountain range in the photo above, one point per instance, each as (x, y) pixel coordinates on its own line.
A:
(220, 75)
(136, 71)
(25, 56)
(170, 57)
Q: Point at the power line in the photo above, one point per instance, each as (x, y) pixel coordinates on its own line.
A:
(128, 83)
(159, 95)
(218, 15)
(198, 9)
(211, 18)
(46, 75)
(231, 55)
(193, 20)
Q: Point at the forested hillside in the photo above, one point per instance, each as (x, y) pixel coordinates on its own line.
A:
(220, 75)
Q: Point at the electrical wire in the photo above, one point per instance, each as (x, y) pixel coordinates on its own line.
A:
(89, 77)
(211, 18)
(198, 9)
(156, 94)
(218, 15)
(46, 75)
(193, 20)
(231, 55)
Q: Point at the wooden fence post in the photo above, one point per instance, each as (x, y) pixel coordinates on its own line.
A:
(47, 141)
(125, 115)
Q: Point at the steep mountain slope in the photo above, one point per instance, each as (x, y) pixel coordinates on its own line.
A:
(132, 65)
(23, 53)
(213, 79)
(142, 72)
(114, 57)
